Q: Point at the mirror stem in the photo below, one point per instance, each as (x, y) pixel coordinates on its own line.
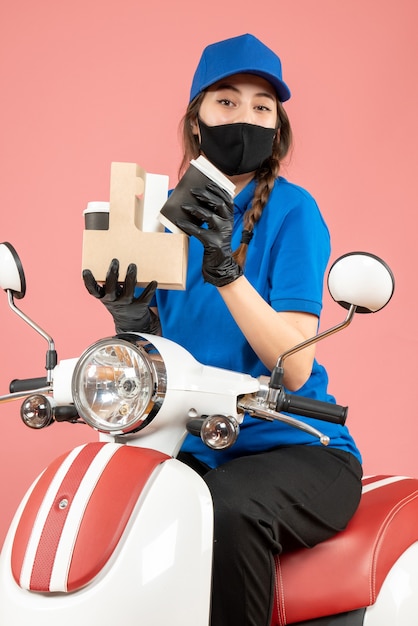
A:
(276, 379)
(51, 355)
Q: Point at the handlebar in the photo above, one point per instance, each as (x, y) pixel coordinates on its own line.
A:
(309, 407)
(275, 404)
(27, 384)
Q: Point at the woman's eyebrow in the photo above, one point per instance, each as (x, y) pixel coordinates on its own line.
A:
(261, 94)
(221, 86)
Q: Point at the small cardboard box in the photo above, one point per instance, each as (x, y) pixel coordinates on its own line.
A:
(135, 234)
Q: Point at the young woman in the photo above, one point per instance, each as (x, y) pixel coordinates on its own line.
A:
(254, 289)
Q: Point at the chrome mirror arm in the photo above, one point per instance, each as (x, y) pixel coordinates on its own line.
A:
(51, 355)
(319, 337)
(276, 379)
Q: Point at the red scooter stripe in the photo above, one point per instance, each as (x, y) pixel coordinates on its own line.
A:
(76, 514)
(48, 543)
(29, 515)
(109, 509)
(367, 480)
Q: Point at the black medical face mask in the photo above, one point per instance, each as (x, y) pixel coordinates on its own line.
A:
(237, 148)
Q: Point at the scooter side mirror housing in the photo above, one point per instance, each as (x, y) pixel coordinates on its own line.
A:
(12, 276)
(360, 282)
(361, 279)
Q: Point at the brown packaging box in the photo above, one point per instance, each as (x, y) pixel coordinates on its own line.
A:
(159, 256)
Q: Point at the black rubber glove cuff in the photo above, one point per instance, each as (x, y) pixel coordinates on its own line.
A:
(223, 274)
(216, 209)
(130, 313)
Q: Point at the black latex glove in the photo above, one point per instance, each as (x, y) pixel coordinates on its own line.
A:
(216, 209)
(130, 313)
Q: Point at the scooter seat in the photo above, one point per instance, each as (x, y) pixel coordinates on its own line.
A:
(346, 572)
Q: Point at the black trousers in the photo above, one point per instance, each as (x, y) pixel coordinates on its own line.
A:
(265, 504)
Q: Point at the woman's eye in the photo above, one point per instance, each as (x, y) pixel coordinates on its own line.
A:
(225, 102)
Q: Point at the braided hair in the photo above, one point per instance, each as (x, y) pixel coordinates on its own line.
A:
(265, 175)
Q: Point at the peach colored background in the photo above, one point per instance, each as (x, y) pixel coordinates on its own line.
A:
(87, 82)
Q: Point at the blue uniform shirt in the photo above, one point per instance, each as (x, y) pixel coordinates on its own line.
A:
(286, 262)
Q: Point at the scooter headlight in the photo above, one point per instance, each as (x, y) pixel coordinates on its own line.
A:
(118, 385)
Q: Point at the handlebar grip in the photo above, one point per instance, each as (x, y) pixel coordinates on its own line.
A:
(27, 384)
(317, 409)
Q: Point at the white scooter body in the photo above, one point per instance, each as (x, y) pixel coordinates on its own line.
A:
(159, 572)
(165, 549)
(167, 542)
(120, 532)
(397, 601)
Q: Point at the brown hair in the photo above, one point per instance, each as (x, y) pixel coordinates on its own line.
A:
(265, 175)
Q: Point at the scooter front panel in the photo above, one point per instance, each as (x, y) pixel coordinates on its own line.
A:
(77, 513)
(159, 572)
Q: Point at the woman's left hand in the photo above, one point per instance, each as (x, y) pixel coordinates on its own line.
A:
(216, 209)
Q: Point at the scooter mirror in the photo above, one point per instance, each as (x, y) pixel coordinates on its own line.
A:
(12, 276)
(361, 279)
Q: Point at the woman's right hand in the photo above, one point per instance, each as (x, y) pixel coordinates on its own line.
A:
(130, 313)
(215, 208)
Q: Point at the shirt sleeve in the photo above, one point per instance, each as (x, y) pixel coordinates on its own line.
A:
(299, 257)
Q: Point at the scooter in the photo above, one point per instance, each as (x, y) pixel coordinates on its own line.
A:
(119, 531)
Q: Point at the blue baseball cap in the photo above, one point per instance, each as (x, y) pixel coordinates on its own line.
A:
(244, 54)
